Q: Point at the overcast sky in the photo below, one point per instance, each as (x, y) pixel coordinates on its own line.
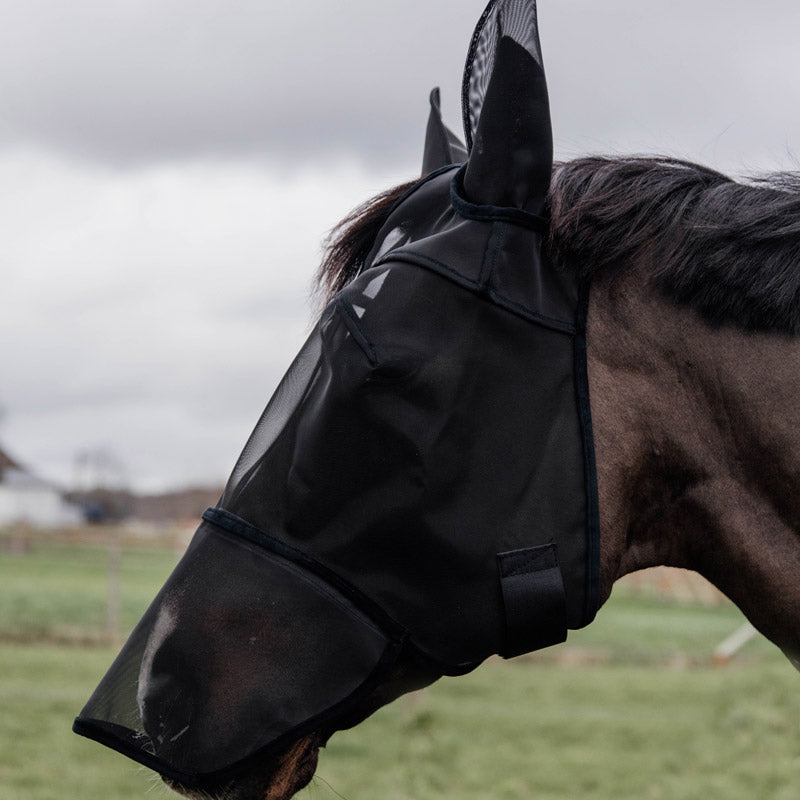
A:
(169, 168)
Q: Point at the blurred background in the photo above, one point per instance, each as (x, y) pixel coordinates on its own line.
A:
(169, 169)
(168, 172)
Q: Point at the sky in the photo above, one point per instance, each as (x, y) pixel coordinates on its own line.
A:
(169, 170)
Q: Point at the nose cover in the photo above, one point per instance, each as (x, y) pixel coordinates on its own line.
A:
(423, 476)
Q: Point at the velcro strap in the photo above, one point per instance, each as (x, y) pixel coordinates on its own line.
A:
(533, 597)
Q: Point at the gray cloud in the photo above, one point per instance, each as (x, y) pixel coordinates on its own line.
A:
(133, 82)
(169, 168)
(151, 312)
(146, 80)
(713, 81)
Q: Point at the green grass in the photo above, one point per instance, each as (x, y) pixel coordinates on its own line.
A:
(43, 687)
(628, 708)
(534, 731)
(509, 730)
(633, 629)
(59, 591)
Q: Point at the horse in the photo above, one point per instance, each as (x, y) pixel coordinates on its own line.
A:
(689, 339)
(694, 370)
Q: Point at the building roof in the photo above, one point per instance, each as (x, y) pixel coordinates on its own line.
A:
(7, 463)
(13, 474)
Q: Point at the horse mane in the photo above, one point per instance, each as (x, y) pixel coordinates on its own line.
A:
(730, 250)
(350, 241)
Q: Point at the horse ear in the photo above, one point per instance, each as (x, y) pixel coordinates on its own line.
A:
(506, 110)
(442, 146)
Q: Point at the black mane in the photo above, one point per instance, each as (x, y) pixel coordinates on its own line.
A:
(730, 250)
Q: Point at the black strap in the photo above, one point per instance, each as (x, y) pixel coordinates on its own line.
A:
(533, 597)
(488, 213)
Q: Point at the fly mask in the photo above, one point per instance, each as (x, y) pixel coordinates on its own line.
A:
(422, 477)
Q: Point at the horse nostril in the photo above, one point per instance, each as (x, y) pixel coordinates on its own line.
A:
(163, 709)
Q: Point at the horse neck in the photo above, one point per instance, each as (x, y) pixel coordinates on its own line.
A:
(697, 436)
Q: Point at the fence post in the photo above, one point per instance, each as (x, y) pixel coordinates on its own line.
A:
(725, 651)
(113, 589)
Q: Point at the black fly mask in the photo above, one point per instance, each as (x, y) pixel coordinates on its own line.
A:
(422, 477)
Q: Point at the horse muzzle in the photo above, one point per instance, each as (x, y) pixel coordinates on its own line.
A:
(241, 654)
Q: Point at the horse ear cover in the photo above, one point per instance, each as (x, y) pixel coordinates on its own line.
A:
(422, 479)
(442, 146)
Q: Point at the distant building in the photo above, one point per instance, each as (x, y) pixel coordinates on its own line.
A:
(26, 499)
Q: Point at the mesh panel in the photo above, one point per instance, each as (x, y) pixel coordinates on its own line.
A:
(296, 382)
(513, 18)
(240, 647)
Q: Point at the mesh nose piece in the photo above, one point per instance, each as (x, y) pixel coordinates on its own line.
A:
(241, 648)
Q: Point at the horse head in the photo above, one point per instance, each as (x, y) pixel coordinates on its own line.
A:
(422, 490)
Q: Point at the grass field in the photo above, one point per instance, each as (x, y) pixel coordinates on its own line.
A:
(57, 591)
(628, 708)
